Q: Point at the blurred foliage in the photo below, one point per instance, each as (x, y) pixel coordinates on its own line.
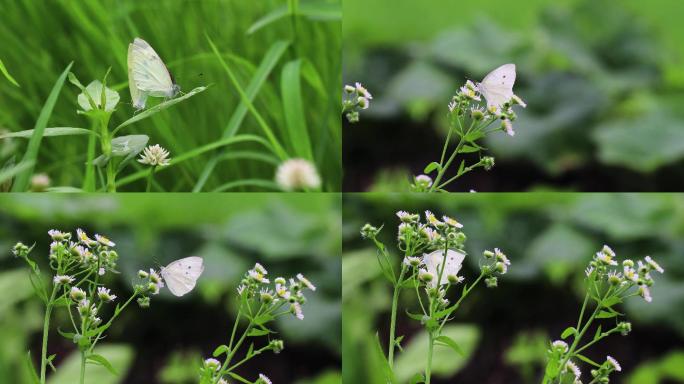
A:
(549, 237)
(286, 233)
(264, 46)
(603, 88)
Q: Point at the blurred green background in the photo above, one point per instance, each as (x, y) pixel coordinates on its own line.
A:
(40, 38)
(550, 238)
(164, 344)
(603, 80)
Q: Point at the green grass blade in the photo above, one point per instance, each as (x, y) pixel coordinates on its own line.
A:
(8, 173)
(293, 107)
(34, 143)
(194, 153)
(315, 10)
(7, 75)
(158, 108)
(266, 66)
(260, 120)
(268, 184)
(50, 132)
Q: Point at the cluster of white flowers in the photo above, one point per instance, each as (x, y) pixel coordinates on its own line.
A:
(297, 175)
(356, 99)
(92, 255)
(150, 284)
(154, 155)
(631, 274)
(468, 99)
(256, 285)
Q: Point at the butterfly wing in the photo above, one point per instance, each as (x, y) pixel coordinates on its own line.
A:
(181, 275)
(148, 71)
(138, 97)
(497, 86)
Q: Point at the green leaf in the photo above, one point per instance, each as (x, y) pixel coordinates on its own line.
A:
(21, 183)
(7, 75)
(606, 315)
(587, 360)
(416, 316)
(158, 108)
(469, 149)
(221, 349)
(127, 147)
(49, 360)
(293, 108)
(568, 332)
(449, 342)
(609, 302)
(29, 365)
(417, 379)
(101, 360)
(94, 90)
(431, 167)
(263, 319)
(49, 132)
(380, 355)
(316, 10)
(258, 332)
(119, 357)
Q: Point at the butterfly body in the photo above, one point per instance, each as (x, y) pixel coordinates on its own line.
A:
(497, 86)
(147, 74)
(181, 275)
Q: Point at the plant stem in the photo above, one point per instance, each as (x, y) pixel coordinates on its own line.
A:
(106, 143)
(393, 318)
(428, 367)
(46, 327)
(150, 177)
(83, 365)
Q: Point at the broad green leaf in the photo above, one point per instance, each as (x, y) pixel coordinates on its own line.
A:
(258, 332)
(31, 154)
(119, 356)
(293, 108)
(446, 362)
(158, 108)
(48, 132)
(469, 149)
(358, 268)
(606, 315)
(94, 89)
(7, 75)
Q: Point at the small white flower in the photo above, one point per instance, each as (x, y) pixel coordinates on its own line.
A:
(240, 289)
(296, 308)
(297, 174)
(77, 294)
(306, 282)
(653, 264)
(263, 379)
(154, 155)
(614, 363)
(561, 345)
(432, 219)
(101, 271)
(605, 258)
(212, 364)
(452, 222)
(105, 295)
(412, 261)
(645, 293)
(424, 181)
(56, 235)
(572, 367)
(517, 100)
(630, 274)
(430, 233)
(589, 271)
(501, 256)
(433, 264)
(452, 105)
(608, 251)
(155, 278)
(83, 238)
(63, 279)
(258, 277)
(508, 127)
(104, 241)
(260, 268)
(363, 91)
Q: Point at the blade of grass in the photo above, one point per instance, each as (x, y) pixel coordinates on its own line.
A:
(277, 147)
(50, 132)
(248, 183)
(315, 10)
(194, 153)
(7, 75)
(34, 143)
(266, 66)
(293, 108)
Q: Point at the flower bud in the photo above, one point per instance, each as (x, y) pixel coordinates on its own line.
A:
(491, 282)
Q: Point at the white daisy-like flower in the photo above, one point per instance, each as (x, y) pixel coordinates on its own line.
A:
(501, 256)
(432, 219)
(614, 363)
(452, 222)
(572, 367)
(222, 381)
(653, 264)
(430, 233)
(105, 294)
(508, 127)
(363, 91)
(297, 174)
(296, 308)
(155, 278)
(83, 238)
(56, 235)
(263, 379)
(517, 100)
(433, 264)
(62, 279)
(154, 155)
(257, 276)
(306, 282)
(260, 268)
(560, 344)
(605, 258)
(212, 364)
(424, 180)
(608, 250)
(630, 274)
(645, 293)
(412, 261)
(104, 241)
(77, 294)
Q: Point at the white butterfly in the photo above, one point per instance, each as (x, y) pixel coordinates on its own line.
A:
(433, 263)
(497, 86)
(147, 74)
(181, 275)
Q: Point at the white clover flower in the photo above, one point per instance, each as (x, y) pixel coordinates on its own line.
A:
(306, 282)
(105, 295)
(433, 264)
(645, 293)
(297, 174)
(296, 308)
(560, 345)
(104, 241)
(572, 367)
(77, 294)
(62, 279)
(361, 90)
(154, 155)
(452, 222)
(614, 363)
(653, 264)
(263, 379)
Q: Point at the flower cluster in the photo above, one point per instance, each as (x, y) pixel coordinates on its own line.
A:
(297, 175)
(356, 99)
(605, 266)
(150, 284)
(154, 155)
(470, 119)
(80, 253)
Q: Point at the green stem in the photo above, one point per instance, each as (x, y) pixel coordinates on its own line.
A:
(428, 367)
(393, 318)
(106, 143)
(46, 327)
(150, 177)
(83, 365)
